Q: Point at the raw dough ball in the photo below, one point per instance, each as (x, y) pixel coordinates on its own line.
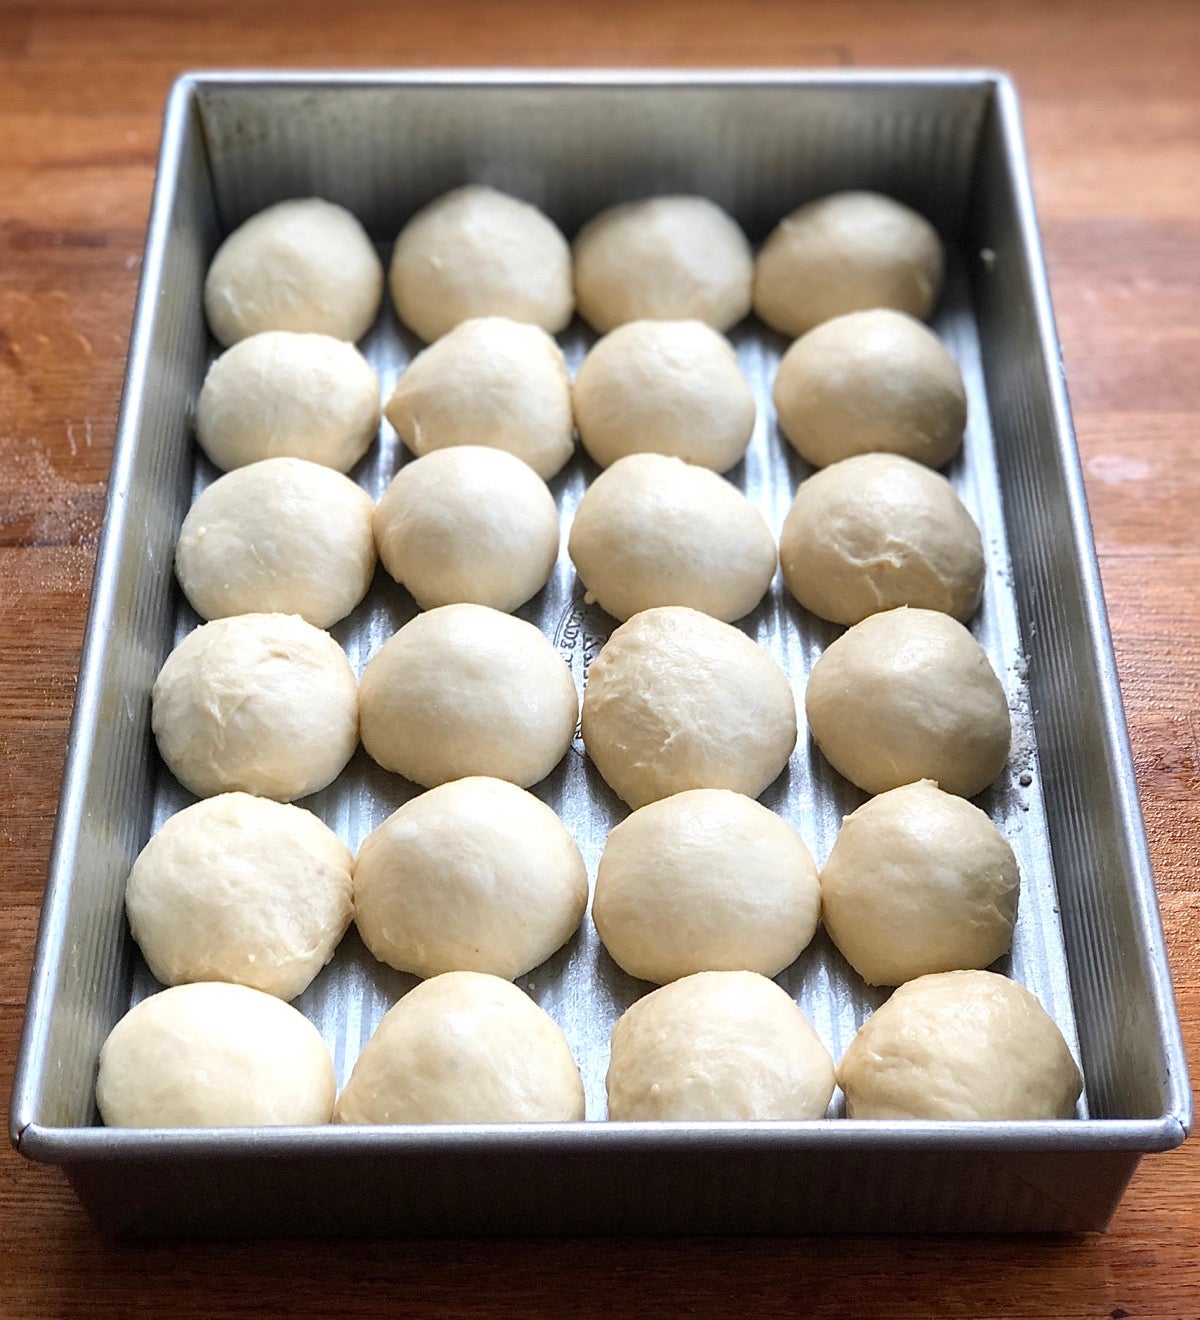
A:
(908, 695)
(654, 531)
(706, 880)
(666, 259)
(717, 1045)
(676, 700)
(214, 1055)
(489, 382)
(465, 690)
(877, 531)
(476, 875)
(281, 395)
(464, 1048)
(919, 881)
(281, 536)
(871, 382)
(264, 703)
(468, 524)
(664, 387)
(479, 252)
(845, 253)
(960, 1045)
(299, 265)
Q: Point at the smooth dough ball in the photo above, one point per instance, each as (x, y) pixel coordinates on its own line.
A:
(490, 382)
(846, 253)
(919, 881)
(468, 524)
(717, 1046)
(663, 259)
(242, 889)
(262, 703)
(283, 395)
(654, 530)
(304, 265)
(703, 881)
(282, 536)
(677, 700)
(908, 695)
(464, 1047)
(465, 690)
(878, 531)
(479, 252)
(214, 1055)
(871, 382)
(664, 387)
(476, 875)
(960, 1045)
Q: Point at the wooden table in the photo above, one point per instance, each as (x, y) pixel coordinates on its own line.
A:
(1112, 103)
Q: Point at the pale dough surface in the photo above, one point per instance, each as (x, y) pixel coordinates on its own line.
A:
(489, 381)
(919, 881)
(960, 1045)
(464, 1047)
(705, 880)
(653, 530)
(468, 524)
(672, 258)
(283, 536)
(478, 252)
(871, 382)
(678, 700)
(717, 1046)
(303, 265)
(664, 387)
(241, 889)
(466, 690)
(907, 695)
(878, 531)
(262, 703)
(476, 875)
(214, 1055)
(847, 252)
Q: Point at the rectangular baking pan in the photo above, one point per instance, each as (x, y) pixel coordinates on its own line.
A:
(1088, 939)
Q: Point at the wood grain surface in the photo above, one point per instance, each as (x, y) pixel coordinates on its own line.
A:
(1111, 95)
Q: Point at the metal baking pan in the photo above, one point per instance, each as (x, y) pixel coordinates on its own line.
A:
(1088, 939)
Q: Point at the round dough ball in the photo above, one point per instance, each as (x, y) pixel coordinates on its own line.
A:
(878, 531)
(214, 1055)
(283, 536)
(960, 1045)
(282, 395)
(465, 690)
(464, 1047)
(304, 265)
(489, 382)
(846, 253)
(871, 382)
(663, 259)
(705, 881)
(654, 530)
(908, 695)
(677, 700)
(717, 1046)
(479, 252)
(664, 387)
(242, 889)
(919, 881)
(468, 524)
(264, 703)
(476, 875)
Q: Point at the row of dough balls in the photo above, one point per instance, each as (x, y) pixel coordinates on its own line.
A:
(308, 265)
(465, 1047)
